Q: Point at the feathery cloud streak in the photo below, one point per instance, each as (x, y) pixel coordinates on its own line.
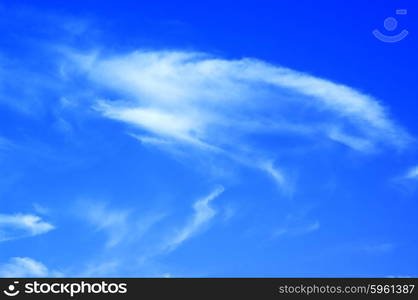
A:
(201, 100)
(203, 213)
(21, 225)
(412, 173)
(222, 106)
(24, 267)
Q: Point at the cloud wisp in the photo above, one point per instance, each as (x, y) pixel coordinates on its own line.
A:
(138, 238)
(25, 267)
(296, 225)
(22, 225)
(114, 223)
(412, 173)
(203, 213)
(121, 226)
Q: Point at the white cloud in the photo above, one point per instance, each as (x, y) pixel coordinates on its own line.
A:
(412, 173)
(120, 226)
(296, 224)
(151, 140)
(136, 234)
(203, 213)
(100, 269)
(24, 267)
(182, 94)
(22, 225)
(276, 174)
(360, 144)
(186, 98)
(297, 229)
(111, 221)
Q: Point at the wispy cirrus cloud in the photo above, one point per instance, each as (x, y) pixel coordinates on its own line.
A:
(99, 269)
(182, 94)
(202, 215)
(221, 106)
(407, 179)
(307, 228)
(412, 173)
(119, 225)
(26, 267)
(22, 225)
(276, 174)
(125, 230)
(296, 225)
(111, 221)
(356, 143)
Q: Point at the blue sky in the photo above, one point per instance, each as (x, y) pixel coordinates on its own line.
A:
(269, 138)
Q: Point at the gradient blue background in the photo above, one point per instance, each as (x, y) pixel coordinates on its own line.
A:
(368, 224)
